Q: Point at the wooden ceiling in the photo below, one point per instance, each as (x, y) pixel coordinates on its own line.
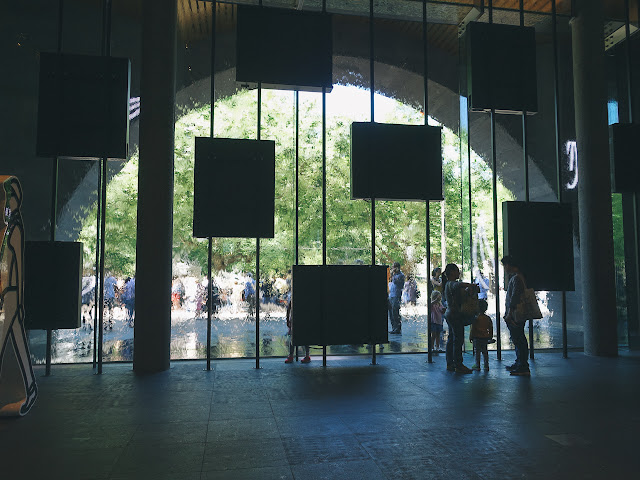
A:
(194, 16)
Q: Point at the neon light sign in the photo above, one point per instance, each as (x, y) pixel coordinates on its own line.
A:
(134, 107)
(572, 153)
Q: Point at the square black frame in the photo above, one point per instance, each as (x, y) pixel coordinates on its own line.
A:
(234, 188)
(83, 106)
(539, 235)
(378, 149)
(325, 315)
(284, 48)
(625, 157)
(501, 68)
(52, 285)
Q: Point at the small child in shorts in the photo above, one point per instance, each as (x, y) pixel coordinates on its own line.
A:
(481, 335)
(437, 309)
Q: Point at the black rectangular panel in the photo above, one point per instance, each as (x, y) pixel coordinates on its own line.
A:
(52, 285)
(325, 314)
(625, 157)
(234, 188)
(83, 106)
(380, 151)
(539, 235)
(501, 68)
(284, 48)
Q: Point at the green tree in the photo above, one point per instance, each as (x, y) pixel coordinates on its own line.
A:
(400, 226)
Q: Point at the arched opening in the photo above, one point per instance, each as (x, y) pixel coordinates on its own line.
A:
(400, 232)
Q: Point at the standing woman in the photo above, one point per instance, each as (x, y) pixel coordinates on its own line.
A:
(453, 315)
(515, 290)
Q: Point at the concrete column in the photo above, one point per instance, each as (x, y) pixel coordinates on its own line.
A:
(594, 187)
(155, 187)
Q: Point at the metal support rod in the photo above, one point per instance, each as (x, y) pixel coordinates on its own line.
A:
(209, 302)
(559, 186)
(97, 262)
(106, 52)
(525, 152)
(425, 68)
(496, 271)
(103, 193)
(525, 155)
(494, 167)
(297, 131)
(373, 200)
(257, 288)
(324, 176)
(324, 195)
(54, 195)
(470, 203)
(297, 108)
(52, 237)
(211, 134)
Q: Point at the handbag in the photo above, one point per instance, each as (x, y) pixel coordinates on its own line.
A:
(528, 308)
(468, 306)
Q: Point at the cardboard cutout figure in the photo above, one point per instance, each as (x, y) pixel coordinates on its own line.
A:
(18, 390)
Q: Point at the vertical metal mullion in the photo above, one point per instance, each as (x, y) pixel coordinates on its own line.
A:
(54, 201)
(257, 289)
(324, 176)
(297, 115)
(494, 182)
(372, 92)
(212, 134)
(373, 200)
(106, 52)
(97, 262)
(297, 201)
(469, 178)
(324, 184)
(425, 70)
(525, 152)
(556, 85)
(525, 155)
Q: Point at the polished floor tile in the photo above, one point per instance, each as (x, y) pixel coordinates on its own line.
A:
(401, 419)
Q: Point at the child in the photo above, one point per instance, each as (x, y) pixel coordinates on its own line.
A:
(289, 359)
(437, 309)
(481, 335)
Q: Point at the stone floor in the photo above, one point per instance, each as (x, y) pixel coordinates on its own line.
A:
(401, 419)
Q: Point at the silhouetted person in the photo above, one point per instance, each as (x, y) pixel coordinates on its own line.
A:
(515, 290)
(396, 285)
(454, 316)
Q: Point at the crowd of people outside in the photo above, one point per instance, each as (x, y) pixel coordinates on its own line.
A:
(117, 294)
(453, 304)
(189, 293)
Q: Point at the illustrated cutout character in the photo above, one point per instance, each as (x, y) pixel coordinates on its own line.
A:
(18, 390)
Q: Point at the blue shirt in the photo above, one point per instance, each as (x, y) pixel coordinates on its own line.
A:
(109, 284)
(396, 285)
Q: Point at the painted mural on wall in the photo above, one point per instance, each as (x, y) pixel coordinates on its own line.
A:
(18, 389)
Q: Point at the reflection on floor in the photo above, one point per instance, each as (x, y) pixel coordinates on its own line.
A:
(402, 419)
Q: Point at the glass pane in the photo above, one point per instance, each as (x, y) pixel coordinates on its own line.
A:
(277, 255)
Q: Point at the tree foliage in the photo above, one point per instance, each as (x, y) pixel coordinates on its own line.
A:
(400, 226)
